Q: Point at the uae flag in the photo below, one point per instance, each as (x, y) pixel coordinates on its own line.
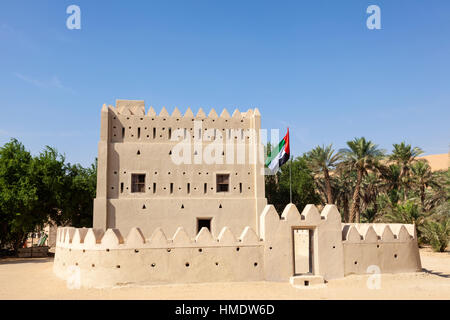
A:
(279, 155)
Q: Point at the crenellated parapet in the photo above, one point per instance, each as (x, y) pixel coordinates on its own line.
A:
(104, 259)
(336, 249)
(386, 248)
(112, 239)
(377, 232)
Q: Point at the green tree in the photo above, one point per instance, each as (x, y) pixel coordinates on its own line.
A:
(404, 155)
(321, 160)
(18, 195)
(422, 178)
(360, 156)
(303, 191)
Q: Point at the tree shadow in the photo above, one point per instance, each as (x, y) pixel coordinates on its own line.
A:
(436, 273)
(12, 260)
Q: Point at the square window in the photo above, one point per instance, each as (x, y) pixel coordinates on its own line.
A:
(137, 183)
(222, 182)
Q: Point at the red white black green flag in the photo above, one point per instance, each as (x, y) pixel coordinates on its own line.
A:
(279, 155)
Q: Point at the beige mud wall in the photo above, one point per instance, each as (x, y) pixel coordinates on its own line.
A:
(135, 142)
(277, 234)
(389, 248)
(105, 260)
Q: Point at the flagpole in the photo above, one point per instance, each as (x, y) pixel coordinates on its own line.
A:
(290, 180)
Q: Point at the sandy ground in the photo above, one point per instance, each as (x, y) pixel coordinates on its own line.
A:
(34, 279)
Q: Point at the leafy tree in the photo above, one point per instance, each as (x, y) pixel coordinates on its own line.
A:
(404, 155)
(36, 190)
(77, 208)
(18, 195)
(360, 156)
(303, 191)
(321, 160)
(437, 233)
(422, 178)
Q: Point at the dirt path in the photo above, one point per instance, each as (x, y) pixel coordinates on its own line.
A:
(34, 279)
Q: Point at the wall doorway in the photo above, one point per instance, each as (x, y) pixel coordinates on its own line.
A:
(303, 251)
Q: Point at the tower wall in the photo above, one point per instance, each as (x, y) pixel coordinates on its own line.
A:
(135, 142)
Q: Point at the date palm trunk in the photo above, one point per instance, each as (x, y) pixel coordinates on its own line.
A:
(328, 186)
(354, 210)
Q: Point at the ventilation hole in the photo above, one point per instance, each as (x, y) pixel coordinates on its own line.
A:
(93, 265)
(255, 264)
(118, 266)
(84, 251)
(107, 250)
(200, 250)
(378, 245)
(138, 152)
(170, 152)
(270, 248)
(237, 249)
(168, 172)
(187, 264)
(76, 263)
(306, 283)
(168, 250)
(182, 206)
(220, 206)
(356, 262)
(217, 263)
(334, 247)
(153, 265)
(395, 256)
(115, 172)
(136, 251)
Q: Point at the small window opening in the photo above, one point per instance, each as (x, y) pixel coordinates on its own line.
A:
(188, 188)
(205, 188)
(222, 182)
(203, 223)
(170, 133)
(240, 187)
(138, 183)
(123, 132)
(121, 187)
(171, 187)
(139, 133)
(154, 187)
(154, 133)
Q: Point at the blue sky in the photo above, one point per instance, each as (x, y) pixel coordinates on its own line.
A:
(310, 65)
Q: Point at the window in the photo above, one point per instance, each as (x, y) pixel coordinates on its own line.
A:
(223, 182)
(203, 223)
(137, 182)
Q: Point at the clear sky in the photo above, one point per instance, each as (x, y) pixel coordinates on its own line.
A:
(311, 65)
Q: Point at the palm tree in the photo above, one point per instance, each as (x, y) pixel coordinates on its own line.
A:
(404, 155)
(422, 177)
(321, 160)
(344, 182)
(391, 181)
(361, 155)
